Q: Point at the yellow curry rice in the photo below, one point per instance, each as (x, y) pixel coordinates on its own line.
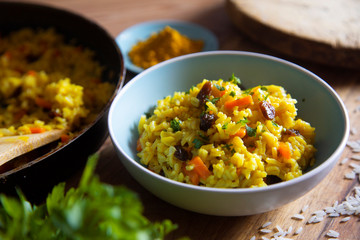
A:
(46, 83)
(218, 135)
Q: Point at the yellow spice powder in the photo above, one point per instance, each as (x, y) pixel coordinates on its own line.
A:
(166, 44)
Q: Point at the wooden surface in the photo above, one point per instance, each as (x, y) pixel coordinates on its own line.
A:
(115, 16)
(288, 26)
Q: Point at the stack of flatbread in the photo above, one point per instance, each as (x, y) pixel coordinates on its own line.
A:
(324, 31)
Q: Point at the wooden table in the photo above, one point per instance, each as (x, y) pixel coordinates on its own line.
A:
(117, 15)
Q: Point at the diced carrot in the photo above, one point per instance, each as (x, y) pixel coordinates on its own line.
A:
(138, 145)
(31, 73)
(241, 133)
(199, 167)
(241, 102)
(41, 102)
(216, 92)
(37, 129)
(64, 138)
(284, 150)
(193, 176)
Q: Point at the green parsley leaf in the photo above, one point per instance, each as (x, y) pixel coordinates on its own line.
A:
(251, 132)
(204, 137)
(175, 125)
(224, 126)
(227, 146)
(221, 88)
(243, 121)
(275, 124)
(214, 100)
(94, 210)
(232, 93)
(198, 143)
(235, 80)
(263, 88)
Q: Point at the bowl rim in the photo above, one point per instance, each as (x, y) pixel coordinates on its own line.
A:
(161, 23)
(330, 161)
(118, 86)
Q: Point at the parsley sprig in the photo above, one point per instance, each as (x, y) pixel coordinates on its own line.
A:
(94, 210)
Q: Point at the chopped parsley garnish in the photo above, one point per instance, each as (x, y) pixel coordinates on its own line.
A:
(192, 88)
(175, 125)
(198, 143)
(221, 88)
(227, 146)
(251, 132)
(148, 114)
(235, 80)
(243, 121)
(263, 88)
(225, 126)
(214, 100)
(232, 93)
(204, 137)
(275, 124)
(92, 210)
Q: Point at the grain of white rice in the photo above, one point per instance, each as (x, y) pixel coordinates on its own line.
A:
(266, 224)
(329, 210)
(355, 157)
(289, 231)
(304, 208)
(311, 219)
(253, 238)
(350, 175)
(353, 131)
(264, 238)
(319, 213)
(298, 231)
(345, 160)
(334, 215)
(298, 217)
(264, 230)
(353, 144)
(345, 219)
(333, 234)
(356, 150)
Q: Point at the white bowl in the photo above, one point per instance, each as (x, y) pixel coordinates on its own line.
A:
(317, 103)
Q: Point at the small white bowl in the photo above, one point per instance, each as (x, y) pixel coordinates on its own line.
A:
(317, 103)
(142, 31)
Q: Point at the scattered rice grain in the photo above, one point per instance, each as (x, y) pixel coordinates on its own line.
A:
(304, 208)
(355, 157)
(266, 225)
(333, 234)
(264, 230)
(345, 219)
(298, 217)
(298, 231)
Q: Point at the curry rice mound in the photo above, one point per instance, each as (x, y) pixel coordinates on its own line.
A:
(46, 83)
(218, 135)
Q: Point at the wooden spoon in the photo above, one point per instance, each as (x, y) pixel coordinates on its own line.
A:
(14, 146)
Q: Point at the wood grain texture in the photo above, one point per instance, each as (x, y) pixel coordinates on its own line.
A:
(115, 16)
(324, 31)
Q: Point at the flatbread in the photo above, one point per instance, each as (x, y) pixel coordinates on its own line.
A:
(324, 31)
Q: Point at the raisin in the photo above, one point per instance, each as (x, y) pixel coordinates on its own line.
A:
(292, 132)
(182, 154)
(267, 110)
(204, 92)
(272, 179)
(206, 121)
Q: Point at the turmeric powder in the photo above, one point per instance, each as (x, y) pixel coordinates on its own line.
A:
(166, 44)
